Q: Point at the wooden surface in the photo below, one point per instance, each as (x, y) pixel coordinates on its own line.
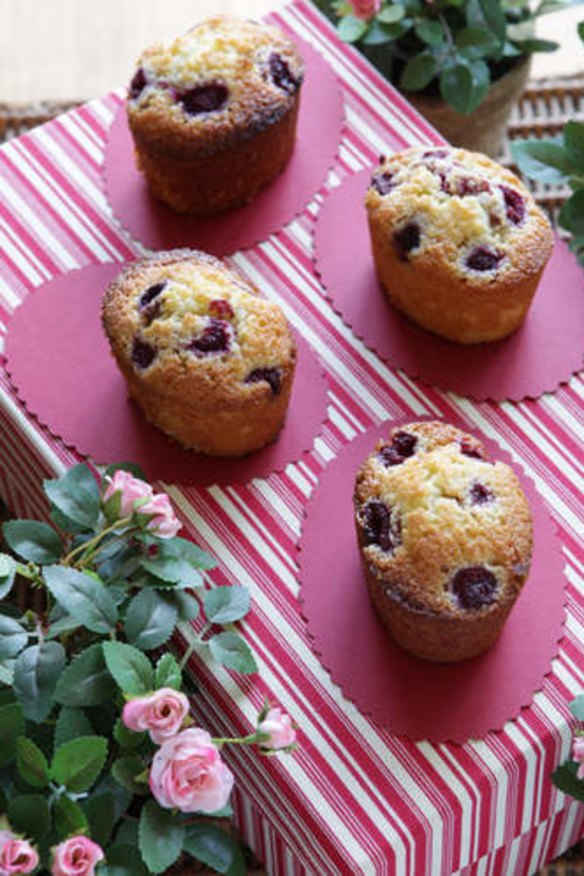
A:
(75, 50)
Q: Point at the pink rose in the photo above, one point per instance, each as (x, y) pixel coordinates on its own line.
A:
(77, 856)
(164, 522)
(187, 773)
(578, 755)
(162, 713)
(130, 489)
(278, 726)
(16, 855)
(365, 9)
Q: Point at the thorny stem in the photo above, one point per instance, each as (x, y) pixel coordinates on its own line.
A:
(88, 545)
(244, 740)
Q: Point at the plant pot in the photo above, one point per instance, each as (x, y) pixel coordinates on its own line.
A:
(484, 129)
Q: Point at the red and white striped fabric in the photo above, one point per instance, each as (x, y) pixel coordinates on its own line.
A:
(353, 799)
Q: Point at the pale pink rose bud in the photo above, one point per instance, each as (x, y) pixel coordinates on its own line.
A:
(77, 856)
(365, 9)
(578, 755)
(164, 522)
(131, 489)
(187, 773)
(278, 726)
(162, 713)
(16, 855)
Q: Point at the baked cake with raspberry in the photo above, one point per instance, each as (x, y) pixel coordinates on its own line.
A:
(459, 243)
(445, 537)
(213, 115)
(208, 360)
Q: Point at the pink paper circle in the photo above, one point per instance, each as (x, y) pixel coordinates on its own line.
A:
(422, 700)
(59, 362)
(320, 123)
(543, 353)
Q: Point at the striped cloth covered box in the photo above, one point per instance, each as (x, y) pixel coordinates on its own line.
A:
(354, 799)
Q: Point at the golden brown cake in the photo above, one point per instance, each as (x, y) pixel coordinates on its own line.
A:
(445, 537)
(209, 361)
(213, 115)
(459, 243)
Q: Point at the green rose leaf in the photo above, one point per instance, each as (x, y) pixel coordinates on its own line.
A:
(132, 467)
(100, 811)
(74, 499)
(160, 837)
(127, 738)
(131, 670)
(430, 32)
(577, 707)
(127, 833)
(69, 817)
(572, 213)
(167, 673)
(216, 848)
(31, 763)
(13, 637)
(29, 814)
(71, 723)
(126, 770)
(7, 574)
(120, 796)
(232, 651)
(33, 541)
(11, 728)
(574, 143)
(171, 568)
(581, 30)
(87, 680)
(196, 556)
(36, 672)
(351, 29)
(188, 606)
(150, 620)
(83, 596)
(123, 860)
(543, 160)
(564, 778)
(391, 14)
(77, 763)
(418, 73)
(224, 605)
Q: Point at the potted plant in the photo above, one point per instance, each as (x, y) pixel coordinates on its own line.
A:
(462, 63)
(103, 769)
(559, 161)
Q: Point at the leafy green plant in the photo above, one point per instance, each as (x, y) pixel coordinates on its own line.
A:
(101, 765)
(558, 161)
(452, 47)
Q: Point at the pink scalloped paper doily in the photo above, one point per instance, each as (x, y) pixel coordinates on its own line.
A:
(320, 124)
(412, 697)
(59, 362)
(543, 353)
